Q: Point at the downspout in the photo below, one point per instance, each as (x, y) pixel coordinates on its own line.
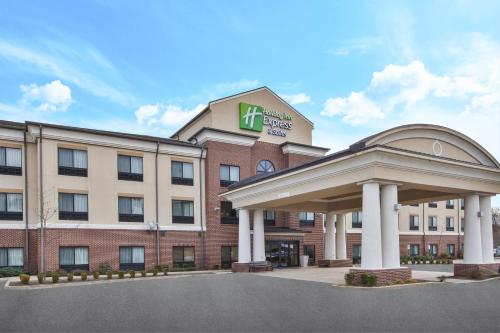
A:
(41, 208)
(203, 250)
(156, 198)
(459, 228)
(423, 229)
(26, 231)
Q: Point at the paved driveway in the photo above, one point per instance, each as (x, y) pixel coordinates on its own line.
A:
(250, 302)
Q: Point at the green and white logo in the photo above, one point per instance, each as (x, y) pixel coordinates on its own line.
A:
(251, 117)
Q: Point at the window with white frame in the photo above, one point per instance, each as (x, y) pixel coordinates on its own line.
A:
(130, 209)
(357, 219)
(10, 161)
(72, 162)
(73, 206)
(11, 206)
(11, 257)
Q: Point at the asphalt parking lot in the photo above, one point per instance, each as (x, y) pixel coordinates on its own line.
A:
(250, 302)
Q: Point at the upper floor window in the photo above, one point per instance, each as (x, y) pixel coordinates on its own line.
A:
(130, 209)
(73, 206)
(73, 258)
(462, 204)
(11, 206)
(433, 204)
(11, 257)
(182, 211)
(450, 204)
(265, 166)
(433, 223)
(72, 162)
(357, 219)
(462, 224)
(229, 174)
(130, 168)
(10, 161)
(269, 218)
(182, 173)
(306, 218)
(450, 223)
(228, 215)
(414, 223)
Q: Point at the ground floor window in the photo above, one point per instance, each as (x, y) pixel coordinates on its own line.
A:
(414, 249)
(309, 250)
(132, 257)
(451, 249)
(433, 250)
(74, 258)
(11, 257)
(228, 254)
(356, 254)
(183, 256)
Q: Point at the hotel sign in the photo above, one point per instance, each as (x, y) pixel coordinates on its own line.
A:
(256, 118)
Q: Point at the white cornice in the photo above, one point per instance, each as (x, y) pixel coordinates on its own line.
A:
(86, 226)
(291, 148)
(208, 134)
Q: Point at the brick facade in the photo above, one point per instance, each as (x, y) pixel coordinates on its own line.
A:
(385, 277)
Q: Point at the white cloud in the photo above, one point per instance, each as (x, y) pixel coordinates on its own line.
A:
(296, 99)
(356, 109)
(166, 114)
(53, 96)
(360, 45)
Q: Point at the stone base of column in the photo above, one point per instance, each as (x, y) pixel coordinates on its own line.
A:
(470, 270)
(240, 267)
(385, 276)
(335, 263)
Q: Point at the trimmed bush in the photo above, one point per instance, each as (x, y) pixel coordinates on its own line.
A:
(132, 274)
(95, 274)
(55, 277)
(83, 276)
(121, 274)
(25, 278)
(155, 271)
(41, 277)
(10, 271)
(165, 270)
(143, 273)
(348, 277)
(109, 275)
(368, 280)
(70, 276)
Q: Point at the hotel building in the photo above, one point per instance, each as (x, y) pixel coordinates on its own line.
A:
(75, 198)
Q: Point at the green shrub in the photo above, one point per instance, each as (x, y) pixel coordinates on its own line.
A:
(95, 274)
(349, 277)
(449, 261)
(155, 271)
(165, 270)
(70, 276)
(143, 273)
(121, 274)
(132, 274)
(83, 276)
(364, 279)
(104, 268)
(10, 271)
(41, 277)
(55, 277)
(109, 275)
(25, 278)
(368, 280)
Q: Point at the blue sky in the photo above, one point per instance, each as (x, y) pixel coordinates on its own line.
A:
(352, 68)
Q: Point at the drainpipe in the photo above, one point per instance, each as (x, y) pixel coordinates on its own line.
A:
(203, 250)
(41, 208)
(423, 229)
(157, 215)
(459, 228)
(26, 231)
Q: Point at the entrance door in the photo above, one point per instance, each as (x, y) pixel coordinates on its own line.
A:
(282, 253)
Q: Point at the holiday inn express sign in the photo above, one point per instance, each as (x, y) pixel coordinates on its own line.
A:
(255, 118)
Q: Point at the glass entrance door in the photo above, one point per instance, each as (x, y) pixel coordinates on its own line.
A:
(282, 253)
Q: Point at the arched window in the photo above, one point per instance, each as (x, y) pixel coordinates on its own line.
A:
(265, 166)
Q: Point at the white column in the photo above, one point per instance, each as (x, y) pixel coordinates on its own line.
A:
(330, 237)
(259, 247)
(486, 229)
(371, 241)
(472, 233)
(340, 238)
(390, 230)
(244, 237)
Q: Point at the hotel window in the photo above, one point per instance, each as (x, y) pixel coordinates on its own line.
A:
(414, 222)
(11, 206)
(265, 166)
(357, 219)
(356, 254)
(306, 219)
(130, 209)
(72, 162)
(433, 204)
(132, 257)
(130, 168)
(450, 204)
(450, 223)
(414, 249)
(11, 257)
(228, 255)
(462, 224)
(433, 223)
(182, 211)
(73, 258)
(450, 248)
(309, 250)
(433, 250)
(182, 173)
(269, 218)
(229, 174)
(183, 256)
(228, 215)
(73, 206)
(10, 161)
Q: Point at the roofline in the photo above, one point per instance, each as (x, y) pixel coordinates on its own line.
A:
(303, 145)
(12, 125)
(141, 137)
(205, 128)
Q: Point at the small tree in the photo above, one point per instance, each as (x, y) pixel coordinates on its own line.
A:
(45, 211)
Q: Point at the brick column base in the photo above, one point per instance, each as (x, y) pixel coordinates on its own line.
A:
(238, 267)
(479, 269)
(335, 263)
(384, 276)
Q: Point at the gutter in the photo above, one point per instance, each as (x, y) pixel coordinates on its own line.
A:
(203, 250)
(156, 198)
(41, 208)
(26, 231)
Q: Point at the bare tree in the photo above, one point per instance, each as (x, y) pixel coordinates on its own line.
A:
(495, 212)
(44, 212)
